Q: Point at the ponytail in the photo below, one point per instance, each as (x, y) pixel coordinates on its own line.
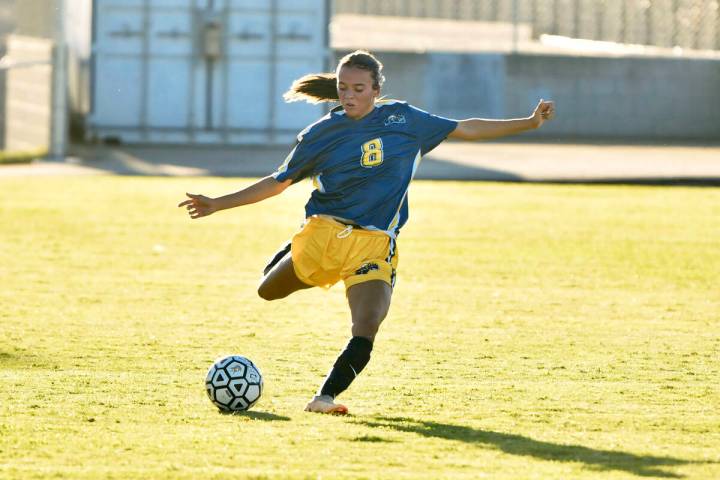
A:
(322, 87)
(313, 88)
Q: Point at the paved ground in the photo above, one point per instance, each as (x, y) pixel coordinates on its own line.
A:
(496, 161)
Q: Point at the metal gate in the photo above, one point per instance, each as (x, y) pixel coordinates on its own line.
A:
(204, 71)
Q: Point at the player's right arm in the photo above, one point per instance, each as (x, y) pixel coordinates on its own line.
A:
(298, 164)
(202, 206)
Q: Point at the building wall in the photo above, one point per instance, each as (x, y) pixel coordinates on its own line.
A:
(29, 94)
(597, 97)
(172, 72)
(6, 27)
(36, 18)
(665, 23)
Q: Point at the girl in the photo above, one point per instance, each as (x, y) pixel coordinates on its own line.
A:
(362, 156)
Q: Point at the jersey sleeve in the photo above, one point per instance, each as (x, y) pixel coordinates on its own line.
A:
(431, 129)
(299, 164)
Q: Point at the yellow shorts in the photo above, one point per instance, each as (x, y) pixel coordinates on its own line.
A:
(326, 251)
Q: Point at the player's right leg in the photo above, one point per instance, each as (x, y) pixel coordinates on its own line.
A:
(325, 404)
(280, 281)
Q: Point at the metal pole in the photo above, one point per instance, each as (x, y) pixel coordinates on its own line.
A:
(515, 14)
(272, 111)
(145, 58)
(58, 122)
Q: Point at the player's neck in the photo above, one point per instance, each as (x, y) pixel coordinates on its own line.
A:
(363, 115)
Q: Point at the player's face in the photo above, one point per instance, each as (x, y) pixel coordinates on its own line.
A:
(356, 92)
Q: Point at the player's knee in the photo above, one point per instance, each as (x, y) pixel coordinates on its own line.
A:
(367, 325)
(267, 293)
(375, 314)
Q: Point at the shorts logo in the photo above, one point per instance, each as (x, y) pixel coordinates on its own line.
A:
(395, 119)
(367, 268)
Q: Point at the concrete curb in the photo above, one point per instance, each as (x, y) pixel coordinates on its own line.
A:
(499, 161)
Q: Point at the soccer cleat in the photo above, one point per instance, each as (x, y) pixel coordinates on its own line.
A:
(325, 404)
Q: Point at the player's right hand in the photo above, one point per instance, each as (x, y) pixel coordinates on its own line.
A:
(198, 205)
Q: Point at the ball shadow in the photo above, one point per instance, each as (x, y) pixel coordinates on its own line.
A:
(253, 415)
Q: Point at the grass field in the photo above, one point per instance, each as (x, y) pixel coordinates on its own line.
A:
(537, 331)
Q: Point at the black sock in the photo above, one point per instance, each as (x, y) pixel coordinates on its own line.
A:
(347, 366)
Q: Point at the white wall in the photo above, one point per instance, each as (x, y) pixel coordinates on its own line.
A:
(28, 94)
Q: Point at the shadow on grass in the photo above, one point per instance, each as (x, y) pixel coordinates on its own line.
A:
(371, 439)
(603, 460)
(264, 416)
(9, 360)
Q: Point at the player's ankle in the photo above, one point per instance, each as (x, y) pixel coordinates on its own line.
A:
(324, 398)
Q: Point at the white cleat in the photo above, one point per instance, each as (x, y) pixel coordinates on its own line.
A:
(325, 404)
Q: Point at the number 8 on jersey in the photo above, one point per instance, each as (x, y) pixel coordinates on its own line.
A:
(372, 153)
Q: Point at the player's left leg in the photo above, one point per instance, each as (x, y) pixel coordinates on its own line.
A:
(369, 304)
(281, 280)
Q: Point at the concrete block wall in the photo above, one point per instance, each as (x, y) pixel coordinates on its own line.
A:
(630, 98)
(654, 98)
(28, 93)
(665, 23)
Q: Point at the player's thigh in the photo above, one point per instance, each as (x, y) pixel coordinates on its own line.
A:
(369, 304)
(281, 281)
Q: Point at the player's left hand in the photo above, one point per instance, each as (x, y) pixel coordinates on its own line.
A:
(545, 110)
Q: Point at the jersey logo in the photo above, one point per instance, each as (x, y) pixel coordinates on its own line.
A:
(395, 119)
(367, 268)
(372, 153)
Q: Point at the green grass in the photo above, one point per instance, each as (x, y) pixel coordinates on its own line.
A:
(537, 331)
(21, 156)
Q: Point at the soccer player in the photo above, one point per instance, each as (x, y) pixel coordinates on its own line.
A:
(361, 156)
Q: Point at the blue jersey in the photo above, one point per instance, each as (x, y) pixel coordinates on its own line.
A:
(362, 168)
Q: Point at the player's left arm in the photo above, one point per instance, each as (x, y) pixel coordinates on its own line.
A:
(482, 129)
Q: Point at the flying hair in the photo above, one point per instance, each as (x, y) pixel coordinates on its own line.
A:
(322, 87)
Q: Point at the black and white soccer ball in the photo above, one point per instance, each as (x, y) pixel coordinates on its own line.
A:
(234, 383)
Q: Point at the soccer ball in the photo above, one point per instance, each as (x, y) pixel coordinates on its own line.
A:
(234, 383)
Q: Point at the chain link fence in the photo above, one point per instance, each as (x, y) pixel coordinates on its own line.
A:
(688, 24)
